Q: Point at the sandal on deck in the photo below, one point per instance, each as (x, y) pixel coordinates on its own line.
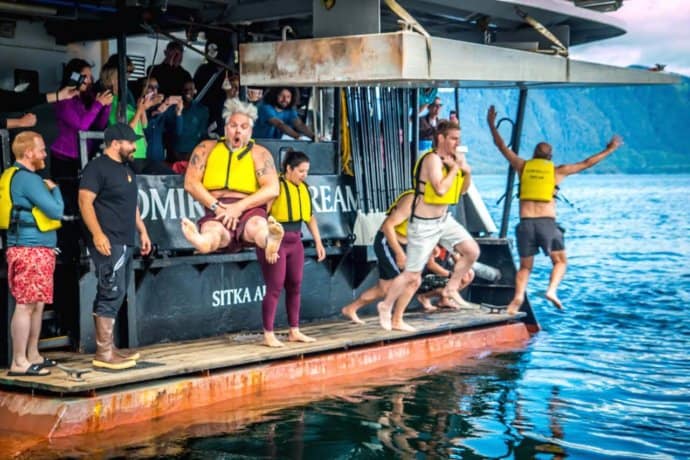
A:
(35, 370)
(47, 363)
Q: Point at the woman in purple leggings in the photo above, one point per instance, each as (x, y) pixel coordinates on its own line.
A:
(291, 208)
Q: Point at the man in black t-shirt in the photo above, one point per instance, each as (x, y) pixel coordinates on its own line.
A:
(108, 204)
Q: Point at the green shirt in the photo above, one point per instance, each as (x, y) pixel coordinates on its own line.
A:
(140, 152)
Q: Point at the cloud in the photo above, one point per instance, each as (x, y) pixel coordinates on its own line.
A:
(658, 32)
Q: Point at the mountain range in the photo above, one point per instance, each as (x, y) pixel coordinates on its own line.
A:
(578, 122)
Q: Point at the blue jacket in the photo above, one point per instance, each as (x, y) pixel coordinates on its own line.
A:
(29, 190)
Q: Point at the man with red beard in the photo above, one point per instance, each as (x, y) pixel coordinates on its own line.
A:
(108, 205)
(234, 179)
(29, 202)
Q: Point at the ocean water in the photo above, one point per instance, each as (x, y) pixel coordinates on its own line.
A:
(607, 378)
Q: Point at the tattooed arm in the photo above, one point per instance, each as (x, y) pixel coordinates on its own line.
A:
(195, 174)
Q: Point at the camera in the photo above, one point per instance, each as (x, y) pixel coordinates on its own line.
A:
(76, 79)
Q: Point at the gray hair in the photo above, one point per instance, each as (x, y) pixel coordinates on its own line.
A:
(234, 105)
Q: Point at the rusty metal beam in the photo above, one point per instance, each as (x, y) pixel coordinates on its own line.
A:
(400, 59)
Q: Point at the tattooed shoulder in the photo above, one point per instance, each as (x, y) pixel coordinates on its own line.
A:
(268, 166)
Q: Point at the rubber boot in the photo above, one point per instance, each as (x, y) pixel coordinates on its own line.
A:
(105, 356)
(124, 354)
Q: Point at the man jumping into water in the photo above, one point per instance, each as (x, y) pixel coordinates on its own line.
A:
(234, 179)
(539, 180)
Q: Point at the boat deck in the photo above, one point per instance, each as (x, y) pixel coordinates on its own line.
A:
(241, 349)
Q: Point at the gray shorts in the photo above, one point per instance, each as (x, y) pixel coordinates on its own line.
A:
(539, 232)
(424, 234)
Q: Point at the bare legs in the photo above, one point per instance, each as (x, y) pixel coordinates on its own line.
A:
(372, 294)
(526, 264)
(559, 260)
(26, 329)
(400, 293)
(264, 233)
(468, 253)
(213, 235)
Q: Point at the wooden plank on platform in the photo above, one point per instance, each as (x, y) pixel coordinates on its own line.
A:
(242, 349)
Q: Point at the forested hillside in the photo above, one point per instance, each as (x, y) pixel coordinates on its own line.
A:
(654, 122)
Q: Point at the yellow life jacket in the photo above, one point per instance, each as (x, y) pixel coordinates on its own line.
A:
(401, 228)
(452, 196)
(8, 210)
(231, 170)
(538, 180)
(293, 204)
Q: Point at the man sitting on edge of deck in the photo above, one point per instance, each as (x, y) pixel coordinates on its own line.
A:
(441, 177)
(234, 179)
(539, 180)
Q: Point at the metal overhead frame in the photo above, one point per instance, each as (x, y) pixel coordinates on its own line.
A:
(401, 60)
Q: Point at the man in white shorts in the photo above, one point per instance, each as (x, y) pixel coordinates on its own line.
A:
(441, 177)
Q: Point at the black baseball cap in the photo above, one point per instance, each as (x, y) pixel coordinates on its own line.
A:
(120, 132)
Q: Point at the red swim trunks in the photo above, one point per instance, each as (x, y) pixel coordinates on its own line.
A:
(236, 243)
(30, 273)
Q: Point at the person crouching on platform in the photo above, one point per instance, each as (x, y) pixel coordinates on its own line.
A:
(291, 208)
(108, 205)
(390, 244)
(234, 179)
(31, 208)
(435, 277)
(441, 177)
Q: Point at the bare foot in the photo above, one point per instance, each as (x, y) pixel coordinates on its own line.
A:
(403, 326)
(296, 336)
(273, 240)
(270, 340)
(352, 315)
(193, 236)
(454, 296)
(426, 304)
(514, 307)
(447, 302)
(384, 316)
(553, 298)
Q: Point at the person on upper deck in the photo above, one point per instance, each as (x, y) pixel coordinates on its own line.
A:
(291, 208)
(428, 123)
(279, 118)
(195, 119)
(442, 175)
(234, 179)
(11, 101)
(539, 180)
(87, 111)
(170, 74)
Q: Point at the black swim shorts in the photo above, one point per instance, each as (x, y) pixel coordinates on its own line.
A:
(388, 269)
(539, 232)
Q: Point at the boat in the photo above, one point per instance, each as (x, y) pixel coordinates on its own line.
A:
(193, 316)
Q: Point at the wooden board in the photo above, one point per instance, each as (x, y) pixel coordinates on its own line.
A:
(242, 349)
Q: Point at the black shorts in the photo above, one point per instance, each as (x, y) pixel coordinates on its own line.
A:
(539, 232)
(388, 269)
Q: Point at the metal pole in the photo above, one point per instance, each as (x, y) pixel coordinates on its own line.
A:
(456, 94)
(415, 124)
(515, 142)
(122, 69)
(407, 151)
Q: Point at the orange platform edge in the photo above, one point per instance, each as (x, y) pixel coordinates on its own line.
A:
(55, 417)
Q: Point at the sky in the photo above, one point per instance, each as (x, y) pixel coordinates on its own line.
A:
(658, 32)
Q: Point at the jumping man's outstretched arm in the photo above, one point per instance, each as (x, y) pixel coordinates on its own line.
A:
(515, 161)
(574, 168)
